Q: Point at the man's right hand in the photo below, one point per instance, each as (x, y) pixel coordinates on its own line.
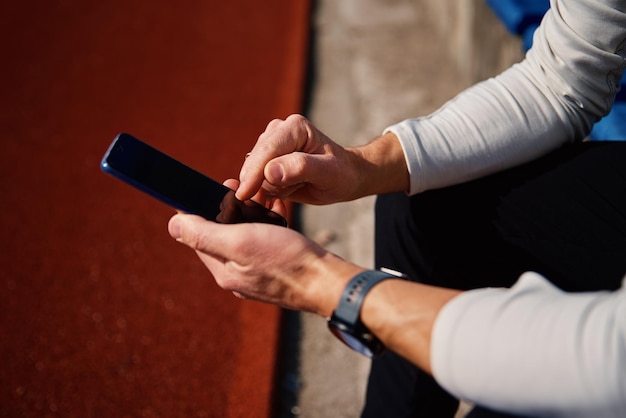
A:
(293, 160)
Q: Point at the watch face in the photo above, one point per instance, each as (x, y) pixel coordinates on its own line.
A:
(366, 344)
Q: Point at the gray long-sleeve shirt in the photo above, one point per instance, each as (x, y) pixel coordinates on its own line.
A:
(566, 83)
(535, 350)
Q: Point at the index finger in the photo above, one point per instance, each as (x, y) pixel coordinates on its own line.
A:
(279, 138)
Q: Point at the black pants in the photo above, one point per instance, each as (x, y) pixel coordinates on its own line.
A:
(563, 216)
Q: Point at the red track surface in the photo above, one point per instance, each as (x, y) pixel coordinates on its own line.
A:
(101, 313)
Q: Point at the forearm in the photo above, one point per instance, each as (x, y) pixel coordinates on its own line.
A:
(402, 315)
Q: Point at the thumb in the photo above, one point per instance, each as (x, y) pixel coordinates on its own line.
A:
(297, 168)
(194, 231)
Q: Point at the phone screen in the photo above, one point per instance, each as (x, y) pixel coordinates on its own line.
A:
(178, 185)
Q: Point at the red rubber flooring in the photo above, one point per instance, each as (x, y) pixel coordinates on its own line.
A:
(102, 314)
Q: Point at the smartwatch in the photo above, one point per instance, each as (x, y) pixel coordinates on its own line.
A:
(345, 323)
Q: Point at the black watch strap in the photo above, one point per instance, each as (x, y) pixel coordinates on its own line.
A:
(350, 304)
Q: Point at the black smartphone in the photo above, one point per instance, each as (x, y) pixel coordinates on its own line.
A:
(178, 185)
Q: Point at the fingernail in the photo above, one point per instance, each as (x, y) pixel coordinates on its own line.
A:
(276, 173)
(175, 229)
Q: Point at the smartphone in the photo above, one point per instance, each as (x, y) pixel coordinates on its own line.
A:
(179, 186)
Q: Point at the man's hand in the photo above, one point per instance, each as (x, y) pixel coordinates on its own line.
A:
(268, 263)
(293, 159)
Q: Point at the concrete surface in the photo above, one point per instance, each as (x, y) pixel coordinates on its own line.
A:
(377, 62)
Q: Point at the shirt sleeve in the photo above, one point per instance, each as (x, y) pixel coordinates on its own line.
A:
(566, 83)
(534, 349)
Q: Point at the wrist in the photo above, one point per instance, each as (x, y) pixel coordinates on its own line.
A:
(332, 273)
(345, 322)
(380, 166)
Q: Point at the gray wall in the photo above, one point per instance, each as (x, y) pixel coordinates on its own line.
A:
(378, 62)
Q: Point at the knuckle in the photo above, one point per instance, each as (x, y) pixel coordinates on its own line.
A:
(295, 118)
(271, 127)
(272, 124)
(299, 122)
(283, 136)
